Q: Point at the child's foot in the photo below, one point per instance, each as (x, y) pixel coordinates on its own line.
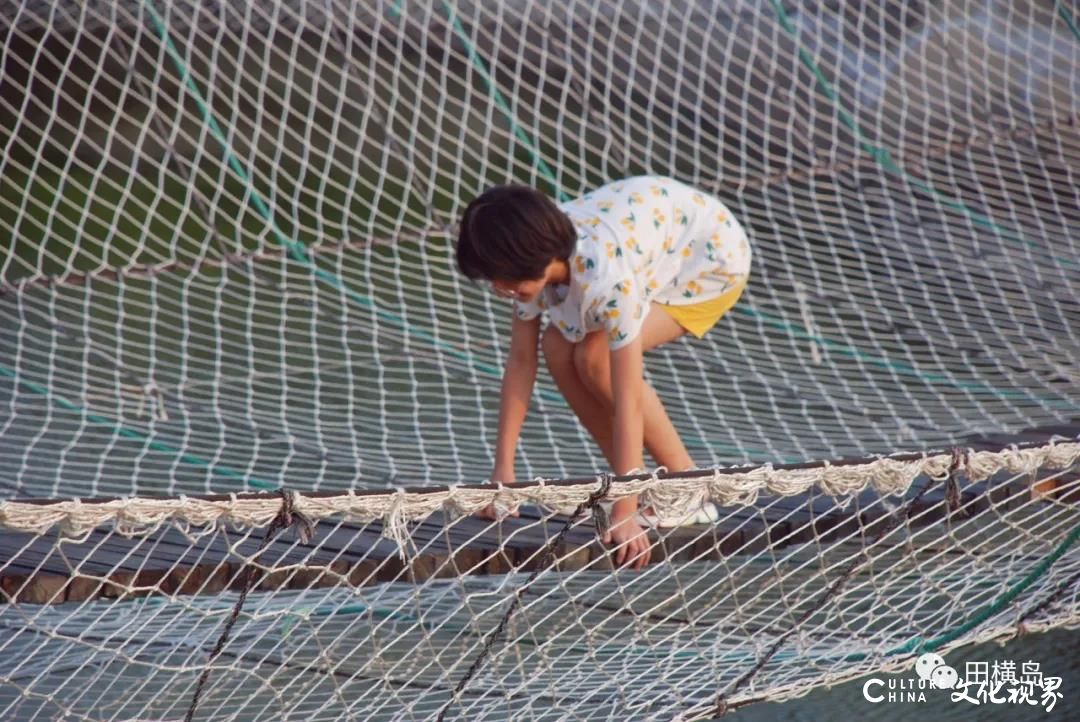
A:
(704, 513)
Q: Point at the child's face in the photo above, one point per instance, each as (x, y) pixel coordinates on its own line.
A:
(519, 290)
(556, 272)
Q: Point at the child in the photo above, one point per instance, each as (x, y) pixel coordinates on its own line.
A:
(621, 270)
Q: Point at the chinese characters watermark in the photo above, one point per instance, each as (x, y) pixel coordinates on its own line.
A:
(997, 682)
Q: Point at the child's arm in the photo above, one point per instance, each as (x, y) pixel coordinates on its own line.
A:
(627, 388)
(628, 385)
(517, 385)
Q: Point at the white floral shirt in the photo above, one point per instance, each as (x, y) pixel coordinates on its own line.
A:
(642, 240)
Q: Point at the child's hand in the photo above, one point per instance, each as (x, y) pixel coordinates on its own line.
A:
(632, 546)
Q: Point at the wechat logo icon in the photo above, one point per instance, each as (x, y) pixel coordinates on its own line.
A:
(932, 668)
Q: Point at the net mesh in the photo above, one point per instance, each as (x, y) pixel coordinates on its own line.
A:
(226, 265)
(907, 176)
(116, 609)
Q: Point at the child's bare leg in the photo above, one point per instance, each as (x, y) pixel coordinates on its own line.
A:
(593, 414)
(593, 363)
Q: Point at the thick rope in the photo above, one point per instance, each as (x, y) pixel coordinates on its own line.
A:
(669, 495)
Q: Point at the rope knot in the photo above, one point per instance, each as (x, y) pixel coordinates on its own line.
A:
(601, 520)
(602, 491)
(953, 497)
(288, 516)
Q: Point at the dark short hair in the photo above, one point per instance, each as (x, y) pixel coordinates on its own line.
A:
(512, 233)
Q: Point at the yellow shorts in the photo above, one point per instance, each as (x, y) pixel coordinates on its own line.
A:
(698, 318)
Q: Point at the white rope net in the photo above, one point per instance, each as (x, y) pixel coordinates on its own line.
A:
(226, 266)
(377, 607)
